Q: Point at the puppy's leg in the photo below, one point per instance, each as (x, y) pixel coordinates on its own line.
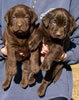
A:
(42, 89)
(8, 78)
(55, 54)
(35, 40)
(31, 79)
(11, 69)
(34, 61)
(48, 60)
(7, 81)
(45, 83)
(56, 72)
(35, 68)
(25, 74)
(11, 60)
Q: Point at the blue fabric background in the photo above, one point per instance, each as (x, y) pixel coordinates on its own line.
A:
(63, 86)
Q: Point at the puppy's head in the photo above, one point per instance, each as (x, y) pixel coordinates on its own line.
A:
(59, 23)
(19, 18)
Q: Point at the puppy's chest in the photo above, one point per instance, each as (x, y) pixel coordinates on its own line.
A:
(51, 41)
(54, 43)
(20, 43)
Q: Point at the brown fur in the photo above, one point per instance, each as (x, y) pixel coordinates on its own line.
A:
(20, 23)
(54, 29)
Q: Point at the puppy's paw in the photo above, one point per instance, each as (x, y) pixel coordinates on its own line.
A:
(33, 45)
(7, 82)
(60, 57)
(31, 80)
(36, 69)
(24, 83)
(45, 66)
(42, 89)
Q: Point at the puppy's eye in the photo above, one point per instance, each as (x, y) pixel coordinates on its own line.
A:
(26, 17)
(65, 25)
(53, 22)
(14, 17)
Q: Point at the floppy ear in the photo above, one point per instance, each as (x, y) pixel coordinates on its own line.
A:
(7, 16)
(45, 20)
(72, 24)
(34, 16)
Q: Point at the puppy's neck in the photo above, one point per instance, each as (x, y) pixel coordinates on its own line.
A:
(24, 35)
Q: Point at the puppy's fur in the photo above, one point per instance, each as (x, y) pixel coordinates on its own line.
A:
(20, 23)
(54, 29)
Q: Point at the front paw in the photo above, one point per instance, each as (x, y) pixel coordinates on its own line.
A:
(33, 45)
(42, 89)
(36, 69)
(31, 79)
(45, 66)
(60, 57)
(7, 82)
(24, 83)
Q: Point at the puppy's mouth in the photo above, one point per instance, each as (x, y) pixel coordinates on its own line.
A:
(21, 33)
(59, 36)
(20, 30)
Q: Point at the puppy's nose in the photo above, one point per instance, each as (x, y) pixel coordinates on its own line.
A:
(19, 24)
(58, 34)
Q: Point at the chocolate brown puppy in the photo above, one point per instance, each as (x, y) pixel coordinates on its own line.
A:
(54, 30)
(20, 23)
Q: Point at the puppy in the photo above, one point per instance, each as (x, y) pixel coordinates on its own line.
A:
(20, 23)
(54, 30)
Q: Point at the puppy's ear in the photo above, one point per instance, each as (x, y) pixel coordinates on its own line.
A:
(34, 16)
(45, 20)
(7, 16)
(72, 24)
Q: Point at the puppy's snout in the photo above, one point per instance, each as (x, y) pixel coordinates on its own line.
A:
(19, 24)
(58, 34)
